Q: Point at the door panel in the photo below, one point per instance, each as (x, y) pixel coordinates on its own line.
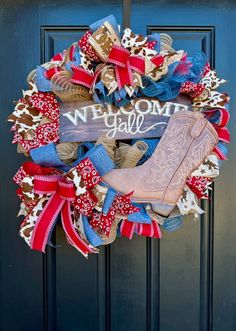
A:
(195, 287)
(186, 281)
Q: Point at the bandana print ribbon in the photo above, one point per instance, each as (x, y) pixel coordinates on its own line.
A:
(121, 205)
(36, 119)
(192, 89)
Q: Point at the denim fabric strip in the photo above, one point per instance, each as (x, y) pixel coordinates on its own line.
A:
(173, 223)
(155, 37)
(140, 216)
(111, 193)
(223, 148)
(83, 148)
(111, 19)
(91, 235)
(100, 159)
(76, 61)
(47, 156)
(43, 84)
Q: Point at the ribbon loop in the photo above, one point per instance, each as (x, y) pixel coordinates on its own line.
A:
(119, 56)
(137, 64)
(82, 77)
(62, 195)
(45, 184)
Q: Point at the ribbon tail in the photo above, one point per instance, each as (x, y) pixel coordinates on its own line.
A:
(123, 75)
(127, 229)
(45, 222)
(71, 233)
(149, 230)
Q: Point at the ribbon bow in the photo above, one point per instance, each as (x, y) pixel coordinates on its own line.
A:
(124, 64)
(62, 195)
(46, 195)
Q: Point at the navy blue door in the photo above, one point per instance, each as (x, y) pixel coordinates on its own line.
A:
(186, 282)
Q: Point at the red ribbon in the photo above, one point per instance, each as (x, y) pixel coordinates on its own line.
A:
(192, 89)
(49, 73)
(58, 57)
(152, 230)
(83, 77)
(62, 195)
(220, 123)
(124, 64)
(198, 185)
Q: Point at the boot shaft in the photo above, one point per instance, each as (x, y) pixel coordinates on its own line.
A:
(188, 140)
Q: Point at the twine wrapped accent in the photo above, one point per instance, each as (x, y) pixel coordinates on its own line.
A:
(109, 144)
(127, 156)
(154, 216)
(32, 76)
(67, 151)
(166, 42)
(113, 232)
(21, 150)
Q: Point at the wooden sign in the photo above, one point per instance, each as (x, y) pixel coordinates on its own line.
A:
(142, 118)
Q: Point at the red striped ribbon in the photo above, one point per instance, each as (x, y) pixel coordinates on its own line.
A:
(152, 230)
(62, 194)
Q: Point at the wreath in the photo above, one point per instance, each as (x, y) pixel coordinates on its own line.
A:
(120, 182)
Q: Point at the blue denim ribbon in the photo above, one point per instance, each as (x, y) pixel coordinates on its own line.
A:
(110, 196)
(76, 61)
(155, 37)
(111, 19)
(140, 216)
(47, 156)
(169, 86)
(91, 235)
(43, 84)
(119, 97)
(173, 223)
